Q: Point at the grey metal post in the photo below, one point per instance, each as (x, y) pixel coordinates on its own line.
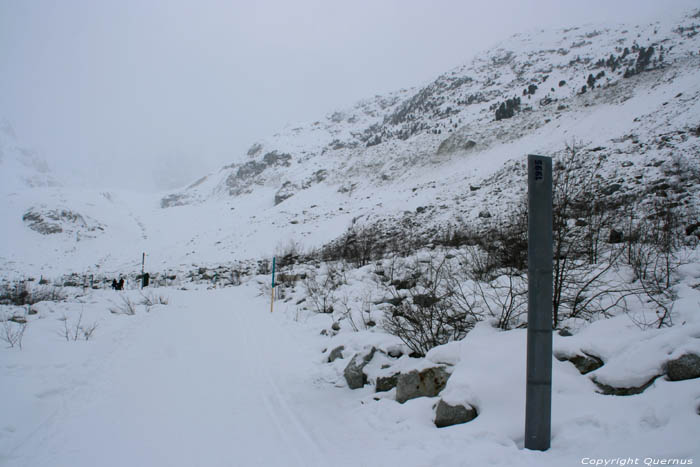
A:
(538, 397)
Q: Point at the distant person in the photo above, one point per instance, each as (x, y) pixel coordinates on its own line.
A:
(114, 284)
(121, 284)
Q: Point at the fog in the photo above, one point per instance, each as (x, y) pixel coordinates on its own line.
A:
(148, 96)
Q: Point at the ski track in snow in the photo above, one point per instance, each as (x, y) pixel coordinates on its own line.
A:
(212, 380)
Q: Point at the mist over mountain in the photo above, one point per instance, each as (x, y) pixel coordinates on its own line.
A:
(355, 289)
(441, 154)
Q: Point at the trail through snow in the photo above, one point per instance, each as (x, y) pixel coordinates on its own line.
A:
(214, 380)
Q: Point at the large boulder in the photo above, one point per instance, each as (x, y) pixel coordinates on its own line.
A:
(354, 374)
(448, 415)
(426, 383)
(684, 367)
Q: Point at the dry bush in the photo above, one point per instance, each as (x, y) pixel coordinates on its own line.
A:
(13, 331)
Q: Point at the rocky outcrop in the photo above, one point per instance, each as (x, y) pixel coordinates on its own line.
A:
(448, 415)
(427, 383)
(456, 142)
(53, 221)
(287, 190)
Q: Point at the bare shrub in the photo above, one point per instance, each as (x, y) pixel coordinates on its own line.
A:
(365, 313)
(76, 330)
(321, 291)
(484, 292)
(425, 318)
(127, 307)
(13, 331)
(151, 299)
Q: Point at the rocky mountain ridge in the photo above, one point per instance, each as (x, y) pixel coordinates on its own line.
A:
(450, 153)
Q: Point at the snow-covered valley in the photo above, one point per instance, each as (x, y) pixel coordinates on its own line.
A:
(397, 228)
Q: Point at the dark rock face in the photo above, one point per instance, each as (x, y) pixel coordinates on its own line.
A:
(354, 374)
(613, 391)
(249, 169)
(277, 158)
(336, 353)
(254, 150)
(427, 383)
(316, 177)
(684, 367)
(448, 415)
(47, 222)
(287, 190)
(387, 383)
(176, 199)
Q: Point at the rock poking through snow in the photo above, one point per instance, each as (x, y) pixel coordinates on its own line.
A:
(448, 415)
(684, 367)
(427, 383)
(354, 374)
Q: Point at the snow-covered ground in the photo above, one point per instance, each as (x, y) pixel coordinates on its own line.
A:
(213, 378)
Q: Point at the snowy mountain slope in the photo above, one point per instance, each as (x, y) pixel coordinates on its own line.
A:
(430, 156)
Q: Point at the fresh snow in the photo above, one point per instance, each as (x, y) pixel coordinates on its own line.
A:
(213, 379)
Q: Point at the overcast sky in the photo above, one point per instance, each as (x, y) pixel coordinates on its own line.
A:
(147, 94)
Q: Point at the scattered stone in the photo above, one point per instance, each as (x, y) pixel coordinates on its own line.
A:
(387, 383)
(484, 214)
(448, 415)
(564, 332)
(427, 383)
(18, 319)
(610, 189)
(585, 363)
(335, 326)
(354, 374)
(684, 367)
(613, 391)
(336, 353)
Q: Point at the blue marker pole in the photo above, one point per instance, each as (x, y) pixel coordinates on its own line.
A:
(272, 297)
